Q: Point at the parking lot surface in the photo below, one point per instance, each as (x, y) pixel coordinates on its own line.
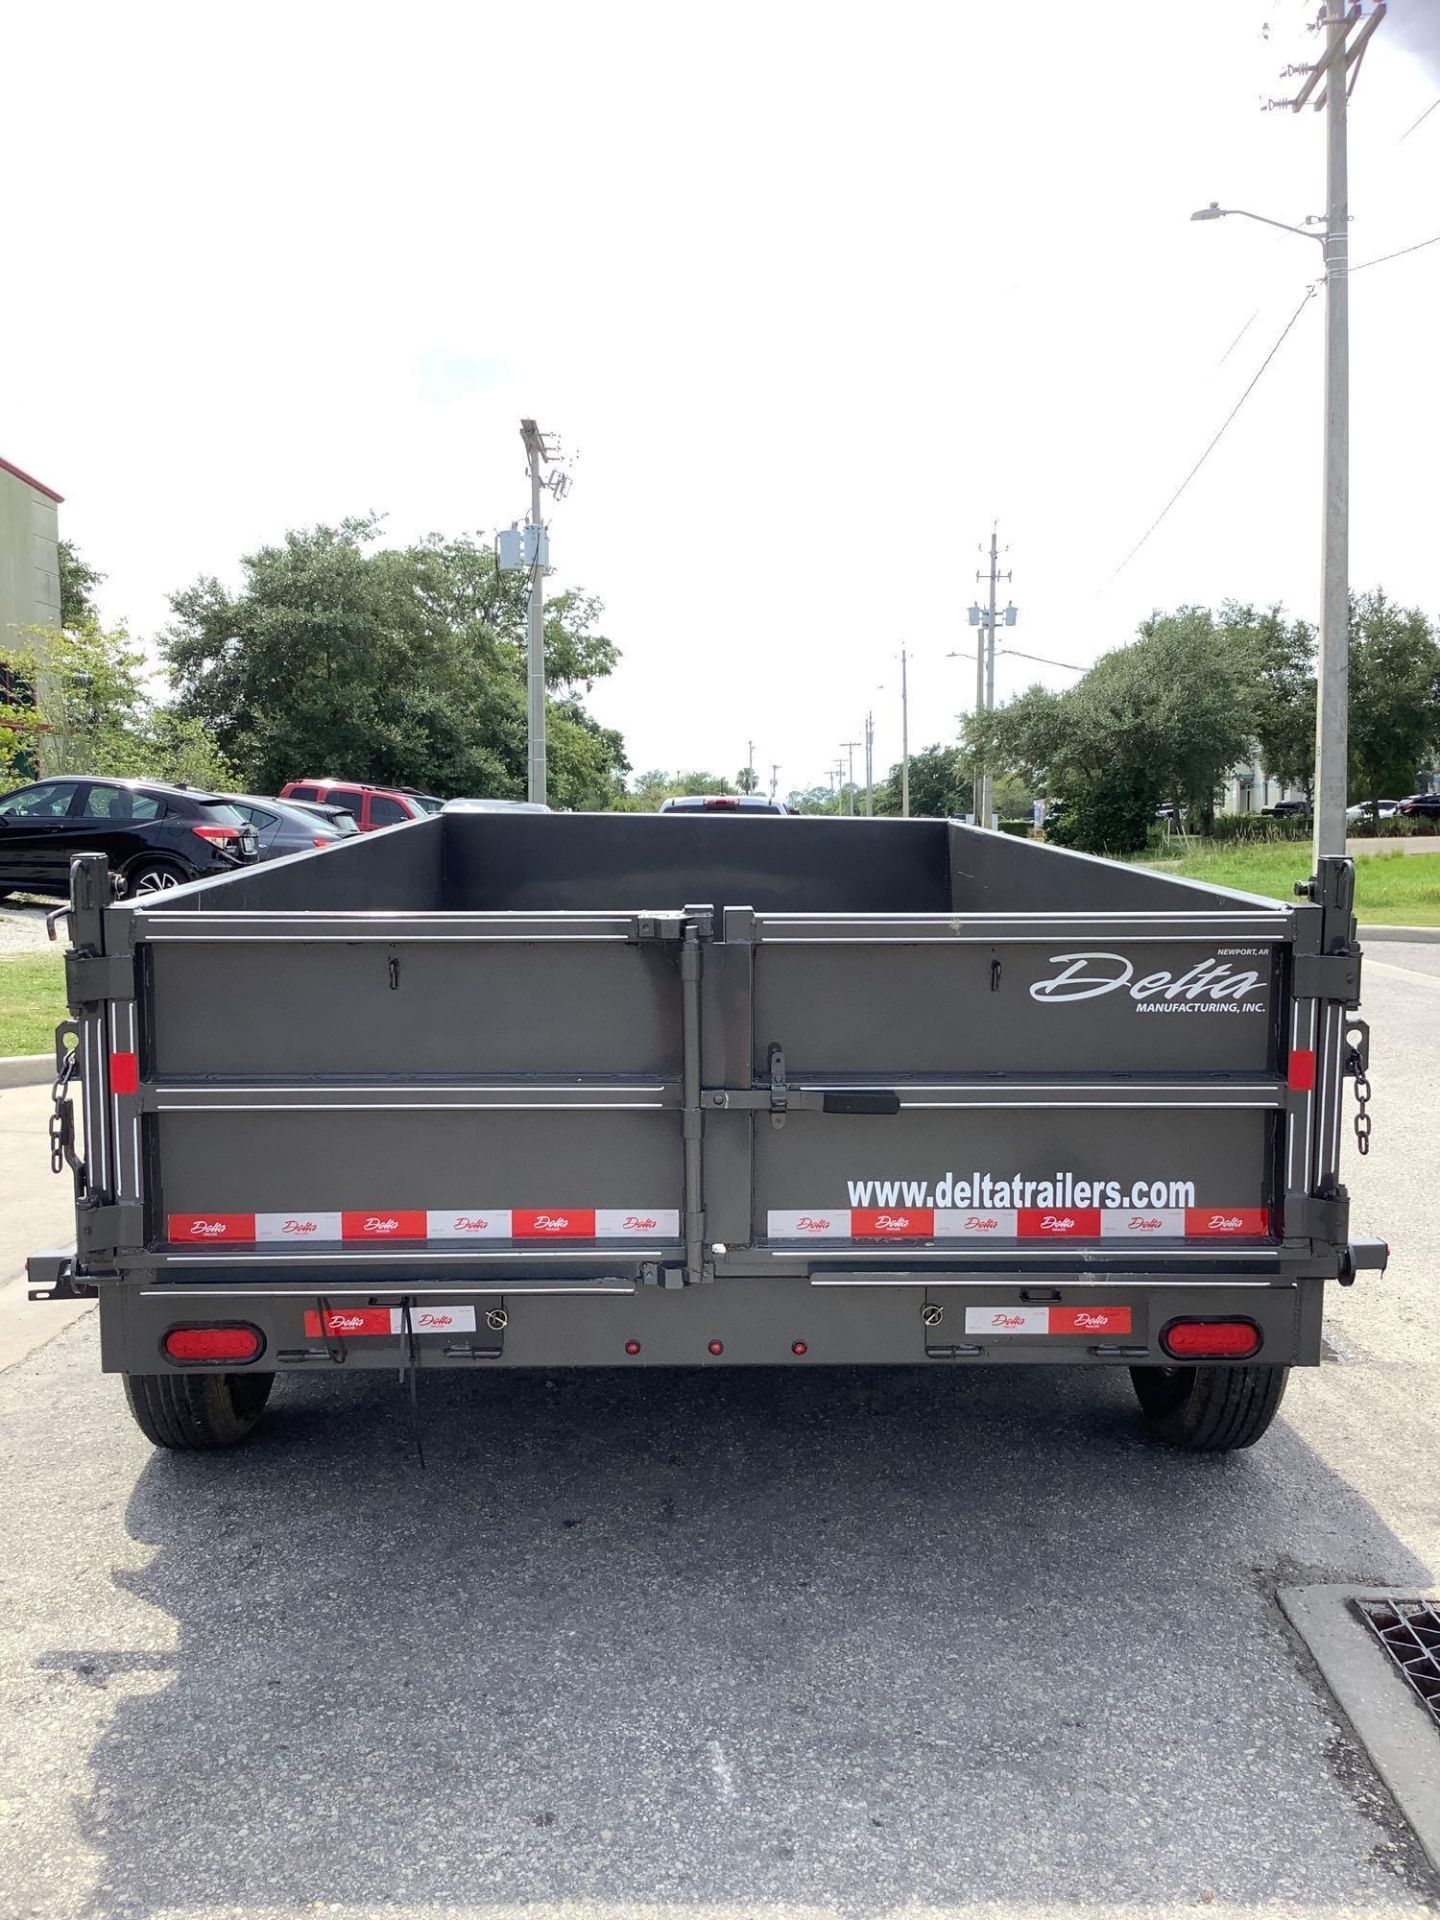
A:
(720, 1644)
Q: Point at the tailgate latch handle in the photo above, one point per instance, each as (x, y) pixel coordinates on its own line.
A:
(779, 1092)
(880, 1101)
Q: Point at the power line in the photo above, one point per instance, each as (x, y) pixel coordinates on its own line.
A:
(1224, 427)
(1399, 252)
(1415, 123)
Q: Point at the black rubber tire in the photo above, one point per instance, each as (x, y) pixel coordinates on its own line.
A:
(1209, 1409)
(153, 876)
(194, 1411)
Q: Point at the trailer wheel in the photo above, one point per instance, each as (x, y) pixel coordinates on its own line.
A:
(193, 1411)
(1209, 1409)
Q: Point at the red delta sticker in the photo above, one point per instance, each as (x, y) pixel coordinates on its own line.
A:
(380, 1225)
(350, 1323)
(1059, 1223)
(205, 1227)
(1089, 1319)
(553, 1223)
(892, 1223)
(1242, 1223)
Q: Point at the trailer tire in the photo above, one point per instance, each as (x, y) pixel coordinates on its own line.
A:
(1209, 1409)
(191, 1412)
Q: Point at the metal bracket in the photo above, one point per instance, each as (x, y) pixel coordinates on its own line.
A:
(50, 1275)
(1328, 976)
(656, 926)
(93, 977)
(1363, 1256)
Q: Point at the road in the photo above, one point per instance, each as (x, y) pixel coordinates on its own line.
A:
(718, 1645)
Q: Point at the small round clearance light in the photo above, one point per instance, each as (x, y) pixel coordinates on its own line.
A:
(716, 1346)
(798, 1348)
(1211, 1339)
(632, 1347)
(229, 1346)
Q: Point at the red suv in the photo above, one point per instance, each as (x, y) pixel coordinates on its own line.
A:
(372, 806)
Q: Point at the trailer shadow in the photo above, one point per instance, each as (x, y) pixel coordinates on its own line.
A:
(644, 1642)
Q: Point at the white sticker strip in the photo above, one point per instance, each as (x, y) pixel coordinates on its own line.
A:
(298, 1227)
(975, 1223)
(637, 1223)
(434, 1320)
(1142, 1223)
(813, 1225)
(1007, 1319)
(471, 1223)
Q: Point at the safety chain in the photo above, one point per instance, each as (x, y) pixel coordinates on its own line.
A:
(1356, 1065)
(62, 1116)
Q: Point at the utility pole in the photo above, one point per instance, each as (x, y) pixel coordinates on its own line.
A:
(536, 558)
(985, 618)
(750, 782)
(1334, 70)
(850, 746)
(869, 766)
(774, 778)
(904, 734)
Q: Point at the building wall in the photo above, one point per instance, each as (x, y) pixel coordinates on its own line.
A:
(29, 557)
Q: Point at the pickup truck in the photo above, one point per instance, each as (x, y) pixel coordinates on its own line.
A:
(524, 1090)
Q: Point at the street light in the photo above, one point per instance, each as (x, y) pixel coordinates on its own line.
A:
(1332, 677)
(1216, 212)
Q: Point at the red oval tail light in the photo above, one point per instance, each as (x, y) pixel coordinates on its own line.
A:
(1211, 1339)
(212, 1346)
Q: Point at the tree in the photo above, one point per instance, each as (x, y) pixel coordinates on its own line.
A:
(1283, 655)
(396, 665)
(77, 578)
(1394, 696)
(652, 789)
(86, 711)
(940, 785)
(1164, 718)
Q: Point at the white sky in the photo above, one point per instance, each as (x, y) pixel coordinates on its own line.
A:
(815, 290)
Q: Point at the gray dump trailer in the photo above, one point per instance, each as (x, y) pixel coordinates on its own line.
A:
(511, 1090)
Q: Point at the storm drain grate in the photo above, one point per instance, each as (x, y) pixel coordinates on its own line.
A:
(1409, 1631)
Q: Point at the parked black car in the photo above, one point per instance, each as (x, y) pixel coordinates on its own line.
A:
(292, 826)
(155, 836)
(1421, 806)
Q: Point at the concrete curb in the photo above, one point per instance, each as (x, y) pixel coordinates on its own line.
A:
(1429, 936)
(1390, 1723)
(27, 1069)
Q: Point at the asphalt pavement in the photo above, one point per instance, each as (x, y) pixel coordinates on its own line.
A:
(755, 1644)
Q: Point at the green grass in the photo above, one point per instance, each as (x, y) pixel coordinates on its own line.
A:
(32, 1001)
(1391, 889)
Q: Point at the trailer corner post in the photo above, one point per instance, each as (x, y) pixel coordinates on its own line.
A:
(693, 1120)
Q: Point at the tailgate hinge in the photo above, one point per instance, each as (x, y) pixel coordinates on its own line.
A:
(108, 1228)
(1328, 976)
(1323, 1221)
(93, 977)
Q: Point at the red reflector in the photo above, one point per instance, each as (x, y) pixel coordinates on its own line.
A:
(1302, 1070)
(632, 1347)
(717, 1346)
(232, 1345)
(1211, 1339)
(319, 842)
(124, 1073)
(798, 1347)
(221, 836)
